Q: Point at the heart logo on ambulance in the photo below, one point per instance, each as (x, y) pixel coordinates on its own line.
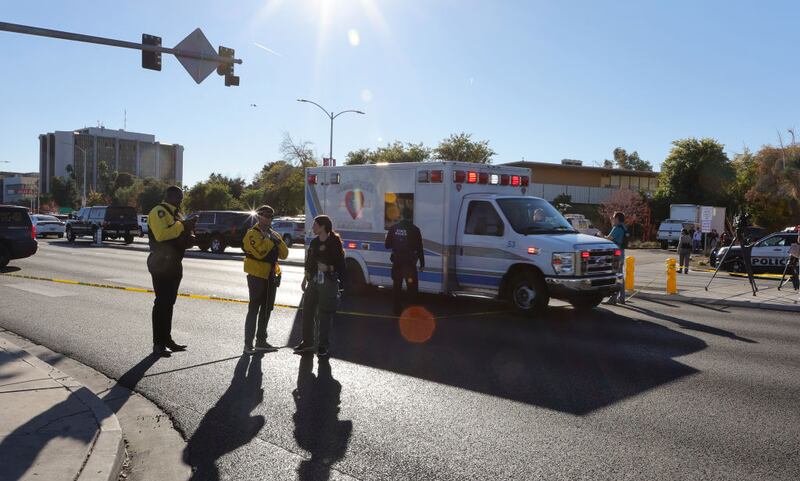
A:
(354, 202)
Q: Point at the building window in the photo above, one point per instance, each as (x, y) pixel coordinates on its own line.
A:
(654, 184)
(127, 156)
(107, 153)
(614, 181)
(634, 183)
(166, 160)
(624, 182)
(147, 160)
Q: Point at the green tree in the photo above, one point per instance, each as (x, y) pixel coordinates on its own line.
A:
(358, 157)
(774, 197)
(461, 148)
(696, 171)
(129, 194)
(209, 196)
(64, 192)
(626, 161)
(393, 153)
(124, 179)
(94, 198)
(152, 194)
(235, 184)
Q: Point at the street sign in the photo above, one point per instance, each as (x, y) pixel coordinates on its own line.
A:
(198, 43)
(705, 226)
(706, 213)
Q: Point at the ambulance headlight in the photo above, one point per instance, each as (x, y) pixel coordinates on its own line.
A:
(564, 263)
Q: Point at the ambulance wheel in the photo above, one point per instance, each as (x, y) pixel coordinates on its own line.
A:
(354, 282)
(528, 294)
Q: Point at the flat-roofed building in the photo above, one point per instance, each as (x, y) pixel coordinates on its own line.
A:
(122, 151)
(585, 185)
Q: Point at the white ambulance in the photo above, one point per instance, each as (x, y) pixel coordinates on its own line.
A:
(483, 233)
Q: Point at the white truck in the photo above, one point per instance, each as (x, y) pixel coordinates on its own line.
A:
(483, 234)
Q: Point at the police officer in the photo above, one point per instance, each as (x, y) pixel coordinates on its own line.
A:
(405, 241)
(262, 247)
(169, 236)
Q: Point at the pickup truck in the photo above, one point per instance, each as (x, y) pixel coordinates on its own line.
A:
(115, 222)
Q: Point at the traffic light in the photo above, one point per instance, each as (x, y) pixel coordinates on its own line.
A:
(227, 67)
(151, 60)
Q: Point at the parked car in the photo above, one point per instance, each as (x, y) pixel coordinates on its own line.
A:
(290, 229)
(116, 222)
(17, 234)
(769, 254)
(48, 225)
(669, 231)
(220, 229)
(143, 229)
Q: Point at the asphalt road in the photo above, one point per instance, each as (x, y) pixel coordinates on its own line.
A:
(648, 391)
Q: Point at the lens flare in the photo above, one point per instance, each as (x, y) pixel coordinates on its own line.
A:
(417, 324)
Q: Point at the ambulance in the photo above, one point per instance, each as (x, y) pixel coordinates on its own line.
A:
(483, 233)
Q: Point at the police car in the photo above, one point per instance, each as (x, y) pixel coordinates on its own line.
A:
(769, 254)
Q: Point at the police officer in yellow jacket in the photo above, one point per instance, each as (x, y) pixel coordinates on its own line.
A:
(262, 247)
(169, 236)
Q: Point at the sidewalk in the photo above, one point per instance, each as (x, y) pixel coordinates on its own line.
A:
(52, 427)
(650, 282)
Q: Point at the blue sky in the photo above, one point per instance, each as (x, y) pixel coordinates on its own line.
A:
(542, 80)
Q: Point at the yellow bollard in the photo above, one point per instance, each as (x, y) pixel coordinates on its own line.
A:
(672, 281)
(629, 270)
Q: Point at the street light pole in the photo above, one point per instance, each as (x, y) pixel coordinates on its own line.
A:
(85, 168)
(331, 116)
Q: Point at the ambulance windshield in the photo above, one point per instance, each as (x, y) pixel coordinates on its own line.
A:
(534, 216)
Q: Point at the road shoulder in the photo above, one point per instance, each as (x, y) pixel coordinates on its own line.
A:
(154, 447)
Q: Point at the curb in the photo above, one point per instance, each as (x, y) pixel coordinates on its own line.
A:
(718, 302)
(104, 460)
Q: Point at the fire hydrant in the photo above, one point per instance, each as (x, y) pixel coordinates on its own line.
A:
(672, 281)
(629, 271)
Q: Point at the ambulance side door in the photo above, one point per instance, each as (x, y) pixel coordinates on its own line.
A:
(479, 244)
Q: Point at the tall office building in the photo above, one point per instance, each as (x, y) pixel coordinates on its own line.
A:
(122, 151)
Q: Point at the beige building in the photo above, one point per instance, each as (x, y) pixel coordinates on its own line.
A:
(586, 185)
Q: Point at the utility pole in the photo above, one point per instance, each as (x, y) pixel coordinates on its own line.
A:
(331, 116)
(194, 52)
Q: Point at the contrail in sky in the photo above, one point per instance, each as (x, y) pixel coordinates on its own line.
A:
(267, 49)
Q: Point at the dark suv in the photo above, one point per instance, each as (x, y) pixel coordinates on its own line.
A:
(17, 234)
(116, 222)
(218, 229)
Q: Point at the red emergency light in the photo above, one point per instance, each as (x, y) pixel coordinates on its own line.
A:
(618, 252)
(504, 179)
(515, 181)
(459, 176)
(585, 254)
(312, 179)
(472, 177)
(351, 245)
(483, 178)
(436, 176)
(524, 180)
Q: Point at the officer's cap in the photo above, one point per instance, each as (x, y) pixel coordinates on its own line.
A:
(266, 211)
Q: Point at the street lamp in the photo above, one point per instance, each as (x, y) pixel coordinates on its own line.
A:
(331, 116)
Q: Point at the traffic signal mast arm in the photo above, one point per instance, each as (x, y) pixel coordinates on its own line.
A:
(79, 37)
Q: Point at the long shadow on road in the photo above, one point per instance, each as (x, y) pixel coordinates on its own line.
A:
(564, 360)
(228, 425)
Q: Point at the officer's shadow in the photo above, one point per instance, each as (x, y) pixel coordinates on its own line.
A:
(317, 427)
(228, 425)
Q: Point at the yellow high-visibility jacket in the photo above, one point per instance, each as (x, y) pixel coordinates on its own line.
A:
(256, 245)
(163, 224)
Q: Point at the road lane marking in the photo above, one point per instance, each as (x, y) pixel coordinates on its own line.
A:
(217, 298)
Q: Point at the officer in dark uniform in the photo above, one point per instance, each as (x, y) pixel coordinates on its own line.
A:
(169, 236)
(405, 241)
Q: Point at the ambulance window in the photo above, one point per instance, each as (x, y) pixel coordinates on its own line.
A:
(396, 207)
(482, 219)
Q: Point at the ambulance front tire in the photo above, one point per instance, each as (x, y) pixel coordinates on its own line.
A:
(354, 282)
(528, 293)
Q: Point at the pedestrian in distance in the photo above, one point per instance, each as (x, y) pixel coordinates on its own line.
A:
(262, 247)
(684, 251)
(324, 271)
(405, 241)
(169, 235)
(697, 239)
(713, 238)
(619, 235)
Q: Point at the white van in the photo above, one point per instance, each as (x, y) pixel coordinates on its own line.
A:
(669, 231)
(483, 233)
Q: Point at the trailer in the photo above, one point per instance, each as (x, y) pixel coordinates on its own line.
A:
(483, 233)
